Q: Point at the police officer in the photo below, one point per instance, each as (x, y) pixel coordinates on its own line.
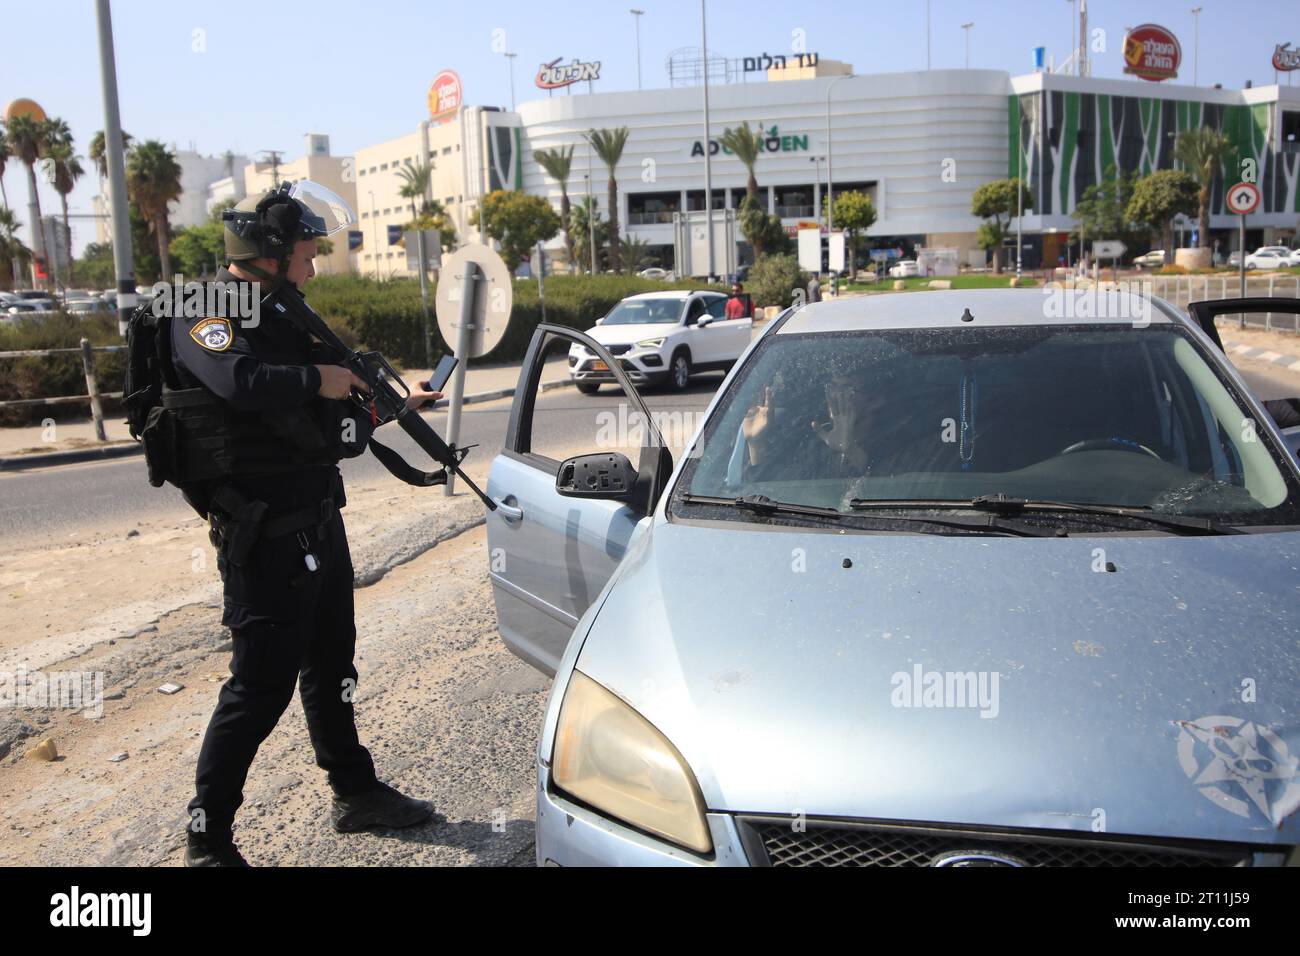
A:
(257, 423)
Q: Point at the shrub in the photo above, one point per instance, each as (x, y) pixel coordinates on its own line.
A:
(774, 280)
(52, 376)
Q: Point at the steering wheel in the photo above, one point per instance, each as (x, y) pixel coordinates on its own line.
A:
(1109, 444)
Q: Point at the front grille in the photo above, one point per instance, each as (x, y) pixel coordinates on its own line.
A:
(618, 349)
(775, 842)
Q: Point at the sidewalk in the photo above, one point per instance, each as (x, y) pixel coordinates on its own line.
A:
(68, 442)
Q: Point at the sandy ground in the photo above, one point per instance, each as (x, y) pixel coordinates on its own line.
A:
(447, 712)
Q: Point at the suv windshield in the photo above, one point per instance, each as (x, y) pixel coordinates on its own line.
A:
(638, 311)
(1117, 416)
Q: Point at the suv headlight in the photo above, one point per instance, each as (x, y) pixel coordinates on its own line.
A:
(650, 343)
(609, 756)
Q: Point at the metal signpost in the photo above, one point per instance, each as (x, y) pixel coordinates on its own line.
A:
(1110, 249)
(1242, 199)
(473, 304)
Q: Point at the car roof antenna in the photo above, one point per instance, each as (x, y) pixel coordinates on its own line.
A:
(967, 317)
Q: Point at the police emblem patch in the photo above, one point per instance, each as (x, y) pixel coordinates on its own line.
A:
(213, 334)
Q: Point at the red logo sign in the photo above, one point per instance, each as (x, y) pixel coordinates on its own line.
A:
(1285, 58)
(444, 96)
(1152, 53)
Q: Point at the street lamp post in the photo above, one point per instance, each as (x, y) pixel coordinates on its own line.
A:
(511, 58)
(1196, 46)
(830, 166)
(636, 18)
(113, 155)
(374, 229)
(966, 27)
(591, 214)
(817, 206)
(708, 165)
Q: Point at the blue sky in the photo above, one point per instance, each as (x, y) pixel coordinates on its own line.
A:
(261, 74)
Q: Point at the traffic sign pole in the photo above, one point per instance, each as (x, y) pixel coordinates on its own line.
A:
(468, 287)
(1243, 198)
(1241, 263)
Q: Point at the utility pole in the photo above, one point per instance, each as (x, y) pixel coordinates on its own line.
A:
(708, 165)
(966, 27)
(115, 160)
(927, 34)
(636, 18)
(274, 157)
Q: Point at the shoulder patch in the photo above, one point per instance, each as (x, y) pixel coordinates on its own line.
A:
(215, 335)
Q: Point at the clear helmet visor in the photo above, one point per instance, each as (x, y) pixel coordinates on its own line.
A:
(333, 210)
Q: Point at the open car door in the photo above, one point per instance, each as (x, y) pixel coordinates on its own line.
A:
(558, 532)
(1284, 411)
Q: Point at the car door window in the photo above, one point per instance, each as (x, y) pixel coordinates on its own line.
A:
(717, 307)
(694, 311)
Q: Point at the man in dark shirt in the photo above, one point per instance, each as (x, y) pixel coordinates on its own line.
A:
(287, 598)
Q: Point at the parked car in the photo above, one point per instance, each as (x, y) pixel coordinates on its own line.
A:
(1150, 260)
(1269, 257)
(654, 272)
(1234, 258)
(1013, 642)
(662, 338)
(1293, 258)
(904, 269)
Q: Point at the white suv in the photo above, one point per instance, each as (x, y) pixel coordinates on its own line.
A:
(662, 338)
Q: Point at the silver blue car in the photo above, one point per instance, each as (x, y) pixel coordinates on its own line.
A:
(997, 578)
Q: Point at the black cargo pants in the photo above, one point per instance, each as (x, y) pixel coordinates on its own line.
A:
(288, 624)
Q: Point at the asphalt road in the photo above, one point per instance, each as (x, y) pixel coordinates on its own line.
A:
(54, 501)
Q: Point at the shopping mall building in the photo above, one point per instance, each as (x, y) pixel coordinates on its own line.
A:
(918, 143)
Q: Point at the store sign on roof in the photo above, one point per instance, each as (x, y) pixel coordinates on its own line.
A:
(1152, 53)
(555, 75)
(1285, 58)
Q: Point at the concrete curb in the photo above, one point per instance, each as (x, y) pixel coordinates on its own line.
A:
(125, 449)
(1291, 362)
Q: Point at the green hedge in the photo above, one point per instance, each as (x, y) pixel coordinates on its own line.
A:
(55, 375)
(385, 316)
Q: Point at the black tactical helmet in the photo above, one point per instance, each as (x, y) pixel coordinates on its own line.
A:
(268, 226)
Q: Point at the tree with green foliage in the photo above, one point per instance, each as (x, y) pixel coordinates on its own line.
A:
(28, 139)
(855, 213)
(586, 220)
(153, 179)
(636, 254)
(558, 164)
(1204, 151)
(6, 154)
(415, 179)
(12, 251)
(63, 169)
(517, 221)
(1102, 213)
(608, 145)
(97, 148)
(746, 145)
(997, 203)
(776, 280)
(764, 232)
(1160, 198)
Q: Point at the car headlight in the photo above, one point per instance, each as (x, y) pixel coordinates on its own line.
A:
(650, 343)
(609, 756)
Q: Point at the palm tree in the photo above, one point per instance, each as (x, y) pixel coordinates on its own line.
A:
(96, 152)
(153, 179)
(586, 221)
(415, 185)
(6, 154)
(28, 139)
(1203, 151)
(63, 169)
(746, 144)
(608, 144)
(10, 247)
(558, 164)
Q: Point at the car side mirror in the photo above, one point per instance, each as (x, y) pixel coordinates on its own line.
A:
(600, 320)
(606, 475)
(704, 320)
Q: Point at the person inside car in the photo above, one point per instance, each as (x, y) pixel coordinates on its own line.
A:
(738, 304)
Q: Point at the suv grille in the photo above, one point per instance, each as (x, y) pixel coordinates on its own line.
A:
(770, 842)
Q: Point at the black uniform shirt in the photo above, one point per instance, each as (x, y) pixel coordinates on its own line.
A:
(261, 366)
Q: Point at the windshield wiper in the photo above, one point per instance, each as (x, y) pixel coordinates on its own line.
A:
(763, 505)
(1002, 504)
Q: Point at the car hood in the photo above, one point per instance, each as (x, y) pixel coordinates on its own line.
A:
(629, 334)
(1158, 699)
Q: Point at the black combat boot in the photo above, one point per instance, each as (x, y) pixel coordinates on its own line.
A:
(208, 851)
(381, 806)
